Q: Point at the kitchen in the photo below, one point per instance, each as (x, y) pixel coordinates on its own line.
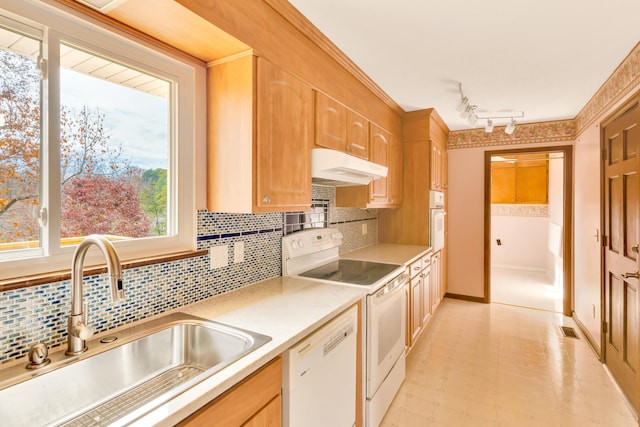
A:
(260, 234)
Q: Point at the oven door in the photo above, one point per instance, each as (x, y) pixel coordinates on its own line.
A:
(386, 324)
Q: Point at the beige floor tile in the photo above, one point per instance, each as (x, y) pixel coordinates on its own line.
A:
(499, 365)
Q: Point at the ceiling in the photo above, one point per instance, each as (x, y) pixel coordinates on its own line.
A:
(546, 58)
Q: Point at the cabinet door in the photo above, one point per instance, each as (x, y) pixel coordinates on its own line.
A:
(436, 280)
(379, 145)
(394, 178)
(244, 401)
(503, 183)
(357, 135)
(426, 295)
(416, 312)
(283, 156)
(435, 166)
(330, 123)
(269, 416)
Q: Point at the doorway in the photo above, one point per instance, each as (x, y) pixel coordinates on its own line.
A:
(528, 227)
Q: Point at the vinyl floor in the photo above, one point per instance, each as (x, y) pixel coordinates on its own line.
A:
(499, 365)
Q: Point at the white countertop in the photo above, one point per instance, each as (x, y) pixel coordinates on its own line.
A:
(284, 308)
(388, 252)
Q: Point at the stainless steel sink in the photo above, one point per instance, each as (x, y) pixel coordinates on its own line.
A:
(120, 381)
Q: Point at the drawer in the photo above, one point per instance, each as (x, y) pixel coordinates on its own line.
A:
(416, 267)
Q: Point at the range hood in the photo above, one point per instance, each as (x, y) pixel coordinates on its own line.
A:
(338, 169)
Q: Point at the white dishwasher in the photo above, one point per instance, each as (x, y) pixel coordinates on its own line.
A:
(319, 376)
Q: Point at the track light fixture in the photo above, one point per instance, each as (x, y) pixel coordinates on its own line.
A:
(470, 113)
(489, 127)
(510, 127)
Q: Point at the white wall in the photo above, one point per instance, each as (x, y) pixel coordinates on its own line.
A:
(524, 242)
(587, 249)
(556, 216)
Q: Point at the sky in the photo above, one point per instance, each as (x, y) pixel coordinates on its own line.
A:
(137, 120)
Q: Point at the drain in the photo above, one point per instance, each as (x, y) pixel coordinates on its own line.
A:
(569, 332)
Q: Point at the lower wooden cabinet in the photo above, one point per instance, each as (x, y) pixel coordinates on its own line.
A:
(420, 296)
(436, 280)
(254, 402)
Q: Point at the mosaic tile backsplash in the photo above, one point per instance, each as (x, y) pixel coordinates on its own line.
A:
(39, 313)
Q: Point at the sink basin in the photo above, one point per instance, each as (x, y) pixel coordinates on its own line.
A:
(119, 381)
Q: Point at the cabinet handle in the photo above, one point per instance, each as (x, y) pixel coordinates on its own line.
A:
(266, 199)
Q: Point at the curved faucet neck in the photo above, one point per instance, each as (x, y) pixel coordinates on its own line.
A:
(77, 269)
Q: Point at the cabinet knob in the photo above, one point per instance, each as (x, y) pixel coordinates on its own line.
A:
(266, 199)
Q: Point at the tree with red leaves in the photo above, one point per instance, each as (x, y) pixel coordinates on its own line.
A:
(98, 204)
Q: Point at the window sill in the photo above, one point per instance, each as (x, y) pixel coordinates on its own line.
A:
(58, 276)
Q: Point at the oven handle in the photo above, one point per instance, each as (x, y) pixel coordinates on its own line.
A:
(393, 286)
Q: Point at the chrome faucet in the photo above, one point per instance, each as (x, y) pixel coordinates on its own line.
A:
(79, 331)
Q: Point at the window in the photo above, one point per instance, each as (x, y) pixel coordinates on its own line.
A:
(96, 136)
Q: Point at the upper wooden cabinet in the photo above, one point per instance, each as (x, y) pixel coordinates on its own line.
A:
(424, 137)
(259, 138)
(379, 146)
(385, 149)
(339, 128)
(521, 179)
(435, 165)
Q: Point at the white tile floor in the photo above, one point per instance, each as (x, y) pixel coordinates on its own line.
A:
(525, 288)
(497, 365)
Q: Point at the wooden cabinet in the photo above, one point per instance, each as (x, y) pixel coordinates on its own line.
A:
(419, 302)
(522, 179)
(384, 149)
(435, 165)
(415, 321)
(256, 401)
(379, 146)
(409, 223)
(259, 138)
(394, 178)
(436, 280)
(339, 128)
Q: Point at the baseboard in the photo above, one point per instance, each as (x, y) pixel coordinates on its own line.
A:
(465, 297)
(595, 346)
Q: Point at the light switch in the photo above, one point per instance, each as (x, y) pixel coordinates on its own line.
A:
(218, 256)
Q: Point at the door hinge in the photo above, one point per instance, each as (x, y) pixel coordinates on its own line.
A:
(605, 240)
(43, 68)
(605, 327)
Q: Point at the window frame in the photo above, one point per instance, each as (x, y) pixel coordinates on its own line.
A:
(60, 27)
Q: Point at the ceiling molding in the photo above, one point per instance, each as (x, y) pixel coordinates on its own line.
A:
(621, 83)
(525, 133)
(302, 24)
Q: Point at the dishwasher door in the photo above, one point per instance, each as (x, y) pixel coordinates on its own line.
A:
(319, 376)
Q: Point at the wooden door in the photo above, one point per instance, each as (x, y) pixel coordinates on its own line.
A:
(394, 178)
(416, 311)
(357, 135)
(330, 123)
(283, 169)
(621, 139)
(379, 146)
(426, 294)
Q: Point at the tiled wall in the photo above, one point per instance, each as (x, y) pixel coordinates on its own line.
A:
(39, 313)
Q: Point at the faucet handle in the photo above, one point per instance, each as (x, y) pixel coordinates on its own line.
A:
(82, 331)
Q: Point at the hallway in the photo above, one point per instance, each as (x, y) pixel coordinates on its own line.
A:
(497, 365)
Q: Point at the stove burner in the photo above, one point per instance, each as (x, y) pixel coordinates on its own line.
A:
(351, 271)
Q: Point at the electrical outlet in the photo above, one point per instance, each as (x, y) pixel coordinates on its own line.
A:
(364, 228)
(238, 252)
(218, 256)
